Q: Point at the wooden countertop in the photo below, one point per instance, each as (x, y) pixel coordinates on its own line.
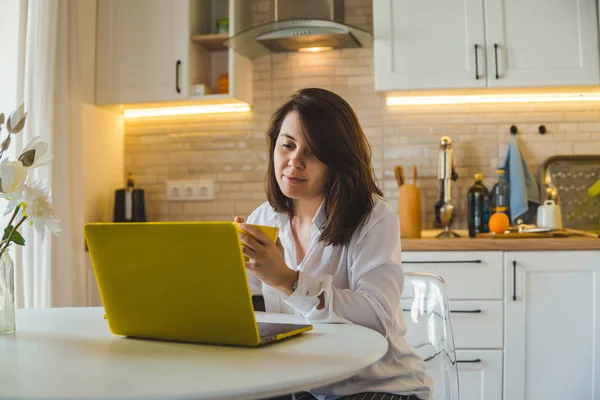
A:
(491, 244)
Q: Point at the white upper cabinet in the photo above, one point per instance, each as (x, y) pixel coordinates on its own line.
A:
(152, 51)
(428, 44)
(552, 320)
(541, 42)
(142, 51)
(459, 44)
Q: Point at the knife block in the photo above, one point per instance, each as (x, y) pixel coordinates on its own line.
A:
(409, 211)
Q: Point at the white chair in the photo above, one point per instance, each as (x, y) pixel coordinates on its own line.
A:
(429, 330)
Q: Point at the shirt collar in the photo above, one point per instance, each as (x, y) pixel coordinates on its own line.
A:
(319, 218)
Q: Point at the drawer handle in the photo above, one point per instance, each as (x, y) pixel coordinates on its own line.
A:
(477, 360)
(514, 281)
(466, 311)
(426, 313)
(177, 65)
(476, 64)
(443, 262)
(496, 58)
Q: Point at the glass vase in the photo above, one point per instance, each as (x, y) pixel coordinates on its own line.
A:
(7, 294)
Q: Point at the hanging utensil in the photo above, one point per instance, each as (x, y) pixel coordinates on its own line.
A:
(399, 174)
(414, 174)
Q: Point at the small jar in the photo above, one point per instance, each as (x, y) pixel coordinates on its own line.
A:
(223, 84)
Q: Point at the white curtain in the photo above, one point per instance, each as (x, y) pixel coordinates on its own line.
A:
(51, 273)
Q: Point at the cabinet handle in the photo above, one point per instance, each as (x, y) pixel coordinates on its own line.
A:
(443, 262)
(476, 63)
(496, 58)
(514, 281)
(466, 311)
(476, 360)
(177, 65)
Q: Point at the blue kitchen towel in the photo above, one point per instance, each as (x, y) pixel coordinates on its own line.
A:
(524, 194)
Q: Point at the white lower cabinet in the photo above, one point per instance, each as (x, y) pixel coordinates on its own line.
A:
(537, 340)
(477, 324)
(552, 325)
(480, 374)
(469, 275)
(474, 282)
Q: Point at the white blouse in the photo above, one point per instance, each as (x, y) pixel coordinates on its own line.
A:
(362, 284)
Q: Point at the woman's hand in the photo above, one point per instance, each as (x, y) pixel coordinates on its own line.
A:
(266, 259)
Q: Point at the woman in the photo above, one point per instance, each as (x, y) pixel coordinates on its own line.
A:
(337, 258)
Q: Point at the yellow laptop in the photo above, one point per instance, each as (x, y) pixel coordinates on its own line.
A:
(183, 281)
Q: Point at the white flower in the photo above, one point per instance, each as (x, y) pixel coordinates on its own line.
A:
(12, 176)
(39, 209)
(16, 120)
(36, 153)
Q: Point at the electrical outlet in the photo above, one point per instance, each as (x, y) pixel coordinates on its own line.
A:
(192, 190)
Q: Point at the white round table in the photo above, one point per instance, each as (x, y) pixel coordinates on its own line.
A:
(69, 353)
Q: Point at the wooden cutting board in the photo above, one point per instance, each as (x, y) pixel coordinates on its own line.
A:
(524, 235)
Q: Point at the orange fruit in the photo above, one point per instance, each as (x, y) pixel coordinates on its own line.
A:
(499, 223)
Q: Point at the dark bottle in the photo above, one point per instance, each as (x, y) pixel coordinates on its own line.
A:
(476, 207)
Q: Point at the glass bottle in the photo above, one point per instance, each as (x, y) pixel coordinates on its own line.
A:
(499, 200)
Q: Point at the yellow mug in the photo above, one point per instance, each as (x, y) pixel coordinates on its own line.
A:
(270, 231)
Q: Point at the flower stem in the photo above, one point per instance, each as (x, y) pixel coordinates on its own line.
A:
(9, 224)
(2, 148)
(7, 243)
(14, 214)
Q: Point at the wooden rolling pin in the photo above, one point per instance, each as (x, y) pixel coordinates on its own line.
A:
(409, 204)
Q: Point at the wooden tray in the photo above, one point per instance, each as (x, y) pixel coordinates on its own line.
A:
(524, 235)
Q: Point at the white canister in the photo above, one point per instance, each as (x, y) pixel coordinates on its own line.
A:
(549, 215)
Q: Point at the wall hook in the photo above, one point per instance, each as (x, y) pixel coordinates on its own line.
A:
(542, 130)
(513, 130)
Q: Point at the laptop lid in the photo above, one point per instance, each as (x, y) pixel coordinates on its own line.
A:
(174, 280)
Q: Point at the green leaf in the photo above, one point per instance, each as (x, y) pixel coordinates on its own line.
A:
(16, 236)
(595, 189)
(7, 231)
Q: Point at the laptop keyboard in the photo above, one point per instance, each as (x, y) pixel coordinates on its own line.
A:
(271, 329)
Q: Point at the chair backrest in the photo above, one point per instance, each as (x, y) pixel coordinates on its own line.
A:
(429, 330)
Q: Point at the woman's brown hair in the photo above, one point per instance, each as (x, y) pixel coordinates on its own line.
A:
(334, 136)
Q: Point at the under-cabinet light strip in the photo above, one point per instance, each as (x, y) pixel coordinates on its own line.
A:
(185, 110)
(498, 98)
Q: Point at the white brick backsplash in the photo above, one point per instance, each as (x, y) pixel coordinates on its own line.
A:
(583, 116)
(579, 137)
(586, 148)
(589, 127)
(568, 127)
(231, 148)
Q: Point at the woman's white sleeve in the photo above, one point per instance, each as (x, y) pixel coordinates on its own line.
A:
(376, 281)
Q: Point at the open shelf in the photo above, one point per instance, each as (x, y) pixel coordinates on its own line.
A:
(210, 60)
(211, 42)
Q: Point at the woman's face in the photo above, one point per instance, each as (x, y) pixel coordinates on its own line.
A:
(300, 175)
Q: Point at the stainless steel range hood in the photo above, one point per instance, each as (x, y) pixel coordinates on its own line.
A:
(301, 25)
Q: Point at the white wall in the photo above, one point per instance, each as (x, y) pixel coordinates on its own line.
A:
(102, 139)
